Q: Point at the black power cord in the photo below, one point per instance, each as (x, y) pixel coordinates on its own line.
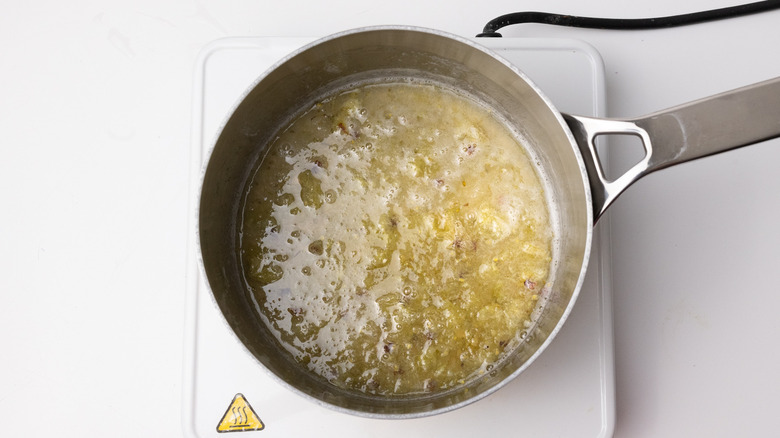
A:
(492, 26)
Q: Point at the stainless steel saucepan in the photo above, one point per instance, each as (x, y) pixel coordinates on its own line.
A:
(562, 144)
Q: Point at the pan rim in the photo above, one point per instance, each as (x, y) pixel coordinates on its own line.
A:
(577, 155)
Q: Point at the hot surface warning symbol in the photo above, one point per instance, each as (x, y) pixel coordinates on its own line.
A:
(239, 417)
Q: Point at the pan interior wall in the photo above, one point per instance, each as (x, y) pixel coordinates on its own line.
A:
(381, 56)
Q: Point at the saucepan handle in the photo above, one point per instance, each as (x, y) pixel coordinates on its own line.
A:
(694, 130)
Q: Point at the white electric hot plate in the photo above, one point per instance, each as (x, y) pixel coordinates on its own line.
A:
(567, 392)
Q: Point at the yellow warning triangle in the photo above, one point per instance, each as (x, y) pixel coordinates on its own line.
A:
(239, 417)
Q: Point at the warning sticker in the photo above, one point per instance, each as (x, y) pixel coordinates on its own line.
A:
(239, 417)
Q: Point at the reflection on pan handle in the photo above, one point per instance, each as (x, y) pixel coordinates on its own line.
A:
(693, 130)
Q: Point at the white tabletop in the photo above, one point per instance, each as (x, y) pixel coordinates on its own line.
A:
(95, 115)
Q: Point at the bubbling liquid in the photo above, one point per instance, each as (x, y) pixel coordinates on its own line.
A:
(396, 239)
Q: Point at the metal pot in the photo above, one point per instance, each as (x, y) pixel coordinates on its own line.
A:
(562, 144)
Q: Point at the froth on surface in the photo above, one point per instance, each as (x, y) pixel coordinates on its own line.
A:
(396, 239)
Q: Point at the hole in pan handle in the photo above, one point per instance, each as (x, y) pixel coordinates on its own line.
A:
(698, 129)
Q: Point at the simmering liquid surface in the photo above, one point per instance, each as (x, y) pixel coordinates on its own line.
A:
(396, 239)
